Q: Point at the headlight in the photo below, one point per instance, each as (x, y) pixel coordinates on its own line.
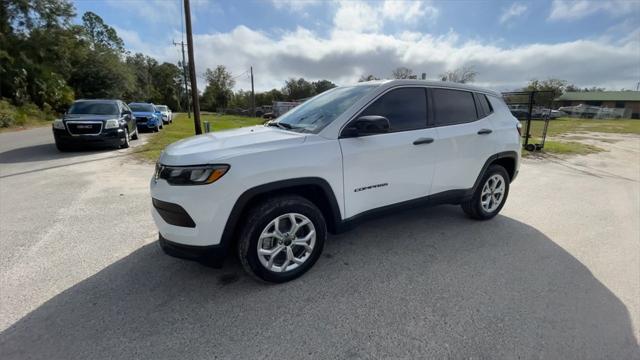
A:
(58, 124)
(190, 175)
(112, 124)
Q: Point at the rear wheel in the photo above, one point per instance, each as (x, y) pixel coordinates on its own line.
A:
(490, 196)
(282, 238)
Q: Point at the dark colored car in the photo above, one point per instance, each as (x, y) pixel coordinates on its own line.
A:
(108, 123)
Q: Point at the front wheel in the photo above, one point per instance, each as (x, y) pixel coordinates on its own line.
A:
(157, 128)
(134, 136)
(282, 238)
(125, 143)
(490, 196)
(62, 147)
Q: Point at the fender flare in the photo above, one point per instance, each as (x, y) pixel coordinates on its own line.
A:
(242, 201)
(501, 155)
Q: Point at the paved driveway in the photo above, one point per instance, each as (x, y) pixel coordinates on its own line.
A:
(556, 275)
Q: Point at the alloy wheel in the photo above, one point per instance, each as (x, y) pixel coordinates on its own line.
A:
(492, 193)
(286, 242)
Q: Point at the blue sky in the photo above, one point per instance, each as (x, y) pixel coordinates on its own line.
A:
(585, 42)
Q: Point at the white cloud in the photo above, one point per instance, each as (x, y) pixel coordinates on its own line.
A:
(513, 11)
(294, 5)
(578, 9)
(344, 55)
(371, 17)
(357, 46)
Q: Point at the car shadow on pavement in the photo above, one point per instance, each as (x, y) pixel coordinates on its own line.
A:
(426, 283)
(44, 152)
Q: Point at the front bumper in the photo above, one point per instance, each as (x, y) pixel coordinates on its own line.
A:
(108, 137)
(147, 124)
(192, 215)
(213, 255)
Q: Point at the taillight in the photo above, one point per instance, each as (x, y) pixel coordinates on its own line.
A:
(519, 128)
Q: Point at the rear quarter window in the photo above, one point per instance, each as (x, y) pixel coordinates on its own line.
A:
(453, 107)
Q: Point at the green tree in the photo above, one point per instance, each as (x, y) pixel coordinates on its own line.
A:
(268, 97)
(322, 86)
(166, 79)
(219, 87)
(100, 34)
(36, 45)
(552, 89)
(296, 89)
(98, 70)
(141, 69)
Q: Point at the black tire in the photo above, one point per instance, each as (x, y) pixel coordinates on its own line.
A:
(62, 147)
(156, 129)
(125, 144)
(134, 136)
(259, 217)
(473, 207)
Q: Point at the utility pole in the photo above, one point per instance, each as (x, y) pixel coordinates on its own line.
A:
(192, 70)
(253, 96)
(184, 75)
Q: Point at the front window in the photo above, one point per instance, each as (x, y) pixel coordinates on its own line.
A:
(314, 114)
(141, 107)
(93, 108)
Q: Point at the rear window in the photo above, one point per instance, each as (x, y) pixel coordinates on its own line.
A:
(405, 108)
(453, 107)
(141, 107)
(93, 108)
(162, 108)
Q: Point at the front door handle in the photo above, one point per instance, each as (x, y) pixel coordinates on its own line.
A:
(485, 132)
(421, 141)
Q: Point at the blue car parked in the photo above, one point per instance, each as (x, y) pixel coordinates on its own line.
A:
(147, 116)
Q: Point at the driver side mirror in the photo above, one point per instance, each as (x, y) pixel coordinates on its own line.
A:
(367, 125)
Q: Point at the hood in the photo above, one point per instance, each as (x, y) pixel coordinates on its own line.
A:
(224, 145)
(89, 117)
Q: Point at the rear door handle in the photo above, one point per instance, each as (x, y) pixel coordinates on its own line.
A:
(485, 132)
(421, 141)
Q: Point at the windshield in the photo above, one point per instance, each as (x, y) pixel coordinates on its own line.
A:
(162, 108)
(141, 107)
(94, 108)
(318, 112)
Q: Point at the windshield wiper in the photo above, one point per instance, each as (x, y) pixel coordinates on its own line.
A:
(280, 125)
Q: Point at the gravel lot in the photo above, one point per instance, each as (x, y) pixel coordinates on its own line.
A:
(556, 275)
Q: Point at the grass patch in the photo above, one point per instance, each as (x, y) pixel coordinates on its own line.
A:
(182, 127)
(564, 126)
(569, 125)
(567, 148)
(25, 116)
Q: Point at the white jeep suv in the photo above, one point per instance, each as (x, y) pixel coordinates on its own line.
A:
(272, 193)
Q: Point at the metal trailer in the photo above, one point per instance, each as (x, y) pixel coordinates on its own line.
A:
(527, 106)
